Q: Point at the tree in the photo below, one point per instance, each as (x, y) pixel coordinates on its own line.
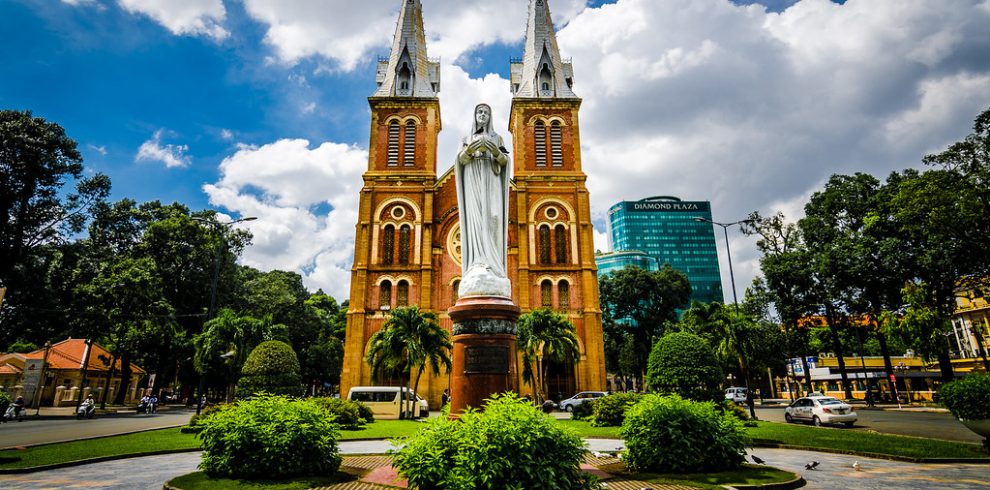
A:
(545, 335)
(684, 364)
(409, 339)
(643, 302)
(272, 367)
(223, 346)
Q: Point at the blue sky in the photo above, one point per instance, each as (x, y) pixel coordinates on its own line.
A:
(237, 104)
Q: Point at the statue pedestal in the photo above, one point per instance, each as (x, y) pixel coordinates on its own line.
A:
(484, 357)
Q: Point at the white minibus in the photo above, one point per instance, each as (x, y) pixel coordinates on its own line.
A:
(384, 401)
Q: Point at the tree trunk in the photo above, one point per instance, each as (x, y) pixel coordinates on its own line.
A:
(106, 384)
(945, 362)
(416, 384)
(125, 378)
(833, 320)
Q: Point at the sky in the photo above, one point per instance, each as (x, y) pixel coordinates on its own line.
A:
(259, 107)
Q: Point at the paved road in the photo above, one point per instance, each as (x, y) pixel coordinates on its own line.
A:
(920, 424)
(32, 432)
(834, 471)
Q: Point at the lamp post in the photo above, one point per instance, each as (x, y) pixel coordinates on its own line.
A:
(216, 226)
(735, 300)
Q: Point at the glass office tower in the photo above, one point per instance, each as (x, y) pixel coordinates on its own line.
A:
(664, 228)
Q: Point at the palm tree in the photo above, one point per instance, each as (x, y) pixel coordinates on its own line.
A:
(409, 339)
(545, 334)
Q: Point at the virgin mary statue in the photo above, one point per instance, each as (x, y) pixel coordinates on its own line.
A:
(482, 177)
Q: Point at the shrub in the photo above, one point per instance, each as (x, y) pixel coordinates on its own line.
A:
(967, 398)
(610, 411)
(684, 364)
(671, 434)
(272, 367)
(365, 412)
(736, 410)
(509, 445)
(269, 437)
(347, 413)
(583, 411)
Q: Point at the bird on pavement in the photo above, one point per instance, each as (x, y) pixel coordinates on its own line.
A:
(812, 465)
(856, 465)
(757, 459)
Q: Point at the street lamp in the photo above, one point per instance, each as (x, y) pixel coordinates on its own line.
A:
(212, 311)
(735, 300)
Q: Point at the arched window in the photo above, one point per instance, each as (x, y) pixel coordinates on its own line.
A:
(540, 136)
(563, 295)
(556, 152)
(455, 286)
(544, 244)
(546, 294)
(409, 145)
(404, 244)
(402, 294)
(385, 295)
(388, 245)
(393, 143)
(560, 243)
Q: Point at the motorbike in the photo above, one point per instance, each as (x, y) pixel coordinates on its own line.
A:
(85, 411)
(14, 413)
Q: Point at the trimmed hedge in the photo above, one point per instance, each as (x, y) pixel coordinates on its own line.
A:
(668, 434)
(967, 398)
(684, 364)
(272, 367)
(269, 437)
(512, 444)
(346, 413)
(610, 411)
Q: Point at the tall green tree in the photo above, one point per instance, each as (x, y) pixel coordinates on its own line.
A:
(643, 303)
(227, 340)
(410, 339)
(545, 336)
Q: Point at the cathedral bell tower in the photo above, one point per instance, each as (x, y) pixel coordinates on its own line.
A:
(392, 252)
(553, 217)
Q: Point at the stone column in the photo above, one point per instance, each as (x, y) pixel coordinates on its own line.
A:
(484, 357)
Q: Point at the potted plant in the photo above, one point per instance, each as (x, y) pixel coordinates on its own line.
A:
(969, 401)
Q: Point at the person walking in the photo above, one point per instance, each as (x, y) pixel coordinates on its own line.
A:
(445, 397)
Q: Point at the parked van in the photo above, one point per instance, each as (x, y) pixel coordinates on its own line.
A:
(736, 394)
(385, 401)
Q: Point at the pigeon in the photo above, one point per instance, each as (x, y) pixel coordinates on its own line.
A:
(757, 459)
(856, 466)
(598, 454)
(812, 465)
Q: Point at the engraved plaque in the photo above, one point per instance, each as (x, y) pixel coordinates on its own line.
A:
(486, 359)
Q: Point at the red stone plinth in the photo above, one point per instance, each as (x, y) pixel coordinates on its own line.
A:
(484, 357)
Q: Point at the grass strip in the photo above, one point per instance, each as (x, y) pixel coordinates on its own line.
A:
(862, 442)
(746, 475)
(127, 444)
(383, 429)
(200, 480)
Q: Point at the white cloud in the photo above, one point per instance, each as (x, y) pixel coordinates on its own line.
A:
(702, 99)
(171, 155)
(226, 135)
(183, 17)
(102, 149)
(306, 202)
(84, 3)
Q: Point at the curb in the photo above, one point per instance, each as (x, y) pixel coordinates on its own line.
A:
(784, 485)
(101, 459)
(138, 431)
(889, 457)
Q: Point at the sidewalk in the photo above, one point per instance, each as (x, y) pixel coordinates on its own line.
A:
(49, 413)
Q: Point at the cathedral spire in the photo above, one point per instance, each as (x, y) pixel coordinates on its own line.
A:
(408, 72)
(541, 73)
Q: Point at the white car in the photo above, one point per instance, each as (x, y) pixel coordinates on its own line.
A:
(736, 394)
(820, 410)
(569, 404)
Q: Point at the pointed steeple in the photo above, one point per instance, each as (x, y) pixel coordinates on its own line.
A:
(408, 72)
(541, 73)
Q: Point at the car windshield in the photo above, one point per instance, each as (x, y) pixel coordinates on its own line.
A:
(829, 401)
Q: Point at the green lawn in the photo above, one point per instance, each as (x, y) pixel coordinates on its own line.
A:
(747, 475)
(864, 442)
(383, 429)
(585, 429)
(155, 440)
(199, 480)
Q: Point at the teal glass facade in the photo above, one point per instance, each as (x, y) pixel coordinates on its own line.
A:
(664, 228)
(613, 261)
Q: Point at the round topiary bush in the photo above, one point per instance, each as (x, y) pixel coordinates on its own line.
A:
(967, 398)
(510, 443)
(272, 367)
(672, 435)
(684, 364)
(610, 411)
(269, 437)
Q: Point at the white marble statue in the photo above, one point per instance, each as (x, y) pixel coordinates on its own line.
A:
(482, 172)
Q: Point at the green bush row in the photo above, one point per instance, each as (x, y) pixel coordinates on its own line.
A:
(967, 398)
